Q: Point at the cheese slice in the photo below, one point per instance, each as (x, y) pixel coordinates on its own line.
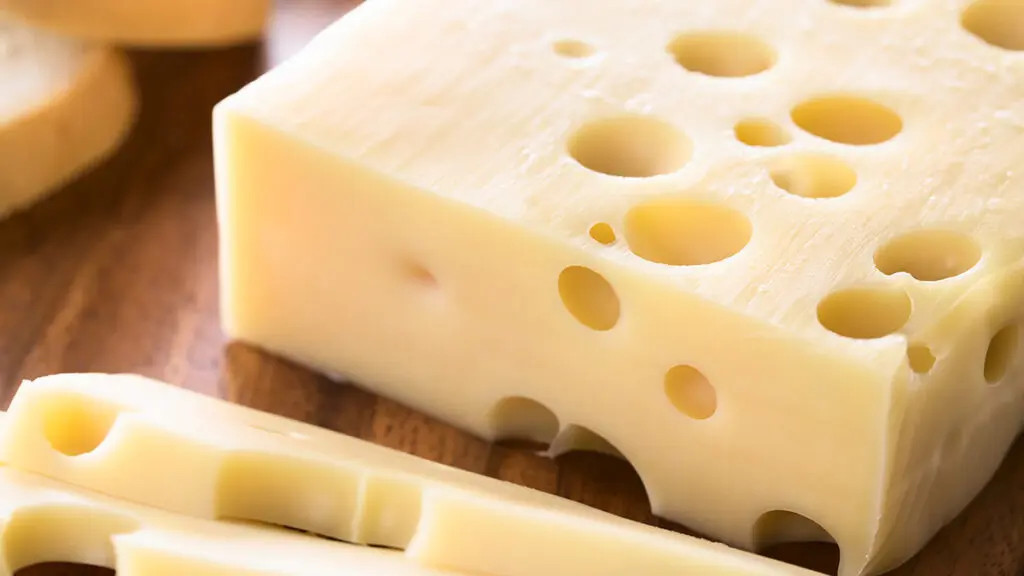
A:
(64, 106)
(148, 23)
(769, 250)
(158, 445)
(136, 540)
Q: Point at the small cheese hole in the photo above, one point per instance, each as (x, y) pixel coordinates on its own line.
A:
(690, 392)
(726, 54)
(683, 232)
(760, 132)
(847, 120)
(1001, 352)
(419, 274)
(589, 297)
(518, 418)
(796, 539)
(996, 22)
(572, 48)
(602, 233)
(75, 425)
(921, 358)
(67, 532)
(928, 255)
(863, 3)
(864, 313)
(814, 176)
(630, 146)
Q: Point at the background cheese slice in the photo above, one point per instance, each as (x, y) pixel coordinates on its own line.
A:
(148, 23)
(47, 521)
(64, 106)
(770, 250)
(162, 446)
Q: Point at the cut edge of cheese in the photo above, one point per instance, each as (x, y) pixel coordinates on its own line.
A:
(148, 23)
(149, 442)
(70, 105)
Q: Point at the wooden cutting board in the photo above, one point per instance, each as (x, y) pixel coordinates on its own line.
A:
(118, 273)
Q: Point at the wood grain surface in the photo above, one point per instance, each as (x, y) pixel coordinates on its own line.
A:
(118, 273)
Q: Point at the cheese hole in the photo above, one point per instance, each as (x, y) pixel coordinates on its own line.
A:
(572, 48)
(75, 425)
(996, 22)
(928, 255)
(418, 274)
(630, 146)
(602, 233)
(690, 392)
(1001, 352)
(726, 54)
(589, 297)
(67, 532)
(518, 418)
(582, 439)
(847, 120)
(683, 232)
(863, 3)
(921, 358)
(864, 313)
(796, 539)
(760, 132)
(813, 176)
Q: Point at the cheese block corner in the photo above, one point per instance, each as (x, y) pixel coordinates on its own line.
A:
(774, 262)
(65, 106)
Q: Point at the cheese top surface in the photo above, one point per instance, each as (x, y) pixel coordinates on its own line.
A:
(885, 140)
(36, 67)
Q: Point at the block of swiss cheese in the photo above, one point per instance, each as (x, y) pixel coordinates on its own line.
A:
(65, 105)
(154, 444)
(768, 250)
(148, 23)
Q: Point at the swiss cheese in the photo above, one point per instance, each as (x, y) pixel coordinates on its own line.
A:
(149, 23)
(158, 445)
(64, 106)
(770, 250)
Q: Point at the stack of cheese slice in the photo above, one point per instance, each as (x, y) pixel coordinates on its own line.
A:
(64, 106)
(153, 479)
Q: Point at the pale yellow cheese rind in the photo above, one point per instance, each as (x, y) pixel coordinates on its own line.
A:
(155, 444)
(65, 106)
(148, 23)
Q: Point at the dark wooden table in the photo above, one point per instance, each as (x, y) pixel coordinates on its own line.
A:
(118, 273)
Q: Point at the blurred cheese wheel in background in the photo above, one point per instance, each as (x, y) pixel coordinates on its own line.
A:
(64, 106)
(148, 23)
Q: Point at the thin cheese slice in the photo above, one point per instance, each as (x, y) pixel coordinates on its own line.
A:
(43, 520)
(64, 106)
(770, 251)
(148, 23)
(166, 447)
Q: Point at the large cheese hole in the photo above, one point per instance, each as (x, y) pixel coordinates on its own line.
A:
(690, 392)
(920, 358)
(928, 255)
(602, 480)
(589, 297)
(796, 539)
(518, 418)
(847, 119)
(67, 532)
(813, 176)
(76, 425)
(760, 132)
(728, 54)
(1002, 350)
(603, 233)
(997, 22)
(630, 146)
(580, 438)
(683, 232)
(866, 312)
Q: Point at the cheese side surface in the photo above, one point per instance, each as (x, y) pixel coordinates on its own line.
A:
(769, 250)
(135, 540)
(148, 23)
(64, 107)
(158, 445)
